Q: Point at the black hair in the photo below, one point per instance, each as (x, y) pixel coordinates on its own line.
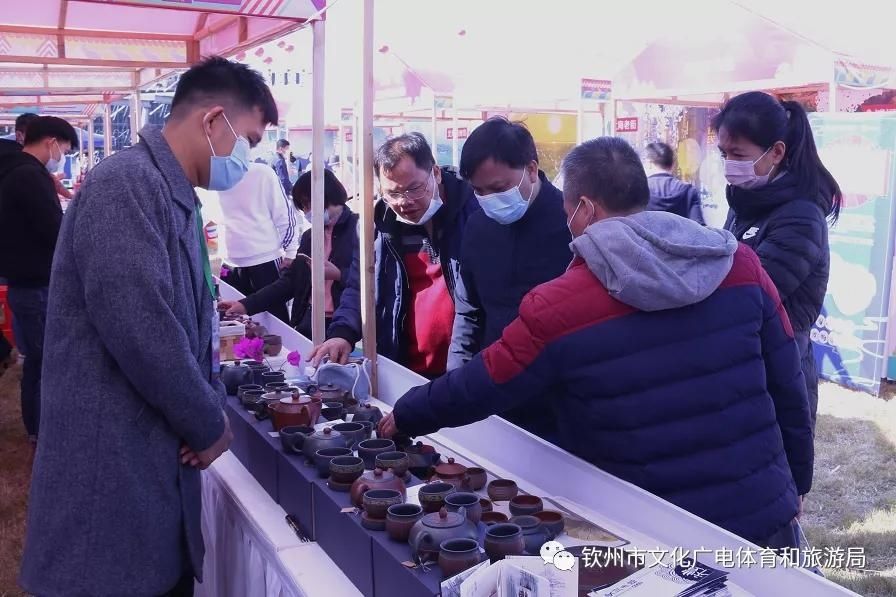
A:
(413, 145)
(660, 154)
(607, 169)
(334, 192)
(282, 143)
(763, 120)
(24, 120)
(218, 80)
(498, 139)
(50, 127)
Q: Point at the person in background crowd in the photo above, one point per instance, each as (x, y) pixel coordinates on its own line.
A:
(780, 196)
(281, 167)
(133, 407)
(340, 244)
(667, 193)
(22, 122)
(419, 219)
(7, 357)
(670, 356)
(517, 241)
(259, 227)
(30, 217)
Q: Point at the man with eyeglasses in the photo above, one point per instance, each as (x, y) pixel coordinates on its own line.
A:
(419, 219)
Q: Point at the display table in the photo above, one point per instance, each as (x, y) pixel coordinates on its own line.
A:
(251, 550)
(539, 468)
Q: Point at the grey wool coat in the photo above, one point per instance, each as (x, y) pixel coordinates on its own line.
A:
(127, 381)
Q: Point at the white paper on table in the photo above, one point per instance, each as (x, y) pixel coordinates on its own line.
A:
(483, 582)
(563, 583)
(413, 495)
(452, 586)
(514, 581)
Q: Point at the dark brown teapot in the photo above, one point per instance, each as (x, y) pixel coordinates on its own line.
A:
(292, 410)
(453, 473)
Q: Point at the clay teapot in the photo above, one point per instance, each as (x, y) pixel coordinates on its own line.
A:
(434, 528)
(375, 479)
(293, 410)
(329, 393)
(421, 458)
(327, 438)
(453, 473)
(367, 412)
(234, 376)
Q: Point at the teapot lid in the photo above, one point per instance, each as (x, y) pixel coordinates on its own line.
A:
(326, 433)
(443, 519)
(295, 398)
(450, 469)
(378, 474)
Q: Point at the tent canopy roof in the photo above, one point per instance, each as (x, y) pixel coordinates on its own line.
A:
(91, 47)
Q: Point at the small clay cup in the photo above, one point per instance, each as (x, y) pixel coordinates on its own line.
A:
(397, 462)
(377, 501)
(486, 505)
(522, 505)
(476, 478)
(293, 438)
(353, 433)
(468, 501)
(244, 387)
(490, 518)
(323, 457)
(552, 521)
(344, 470)
(502, 540)
(369, 448)
(253, 399)
(400, 519)
(332, 410)
(457, 555)
(502, 490)
(432, 495)
(273, 377)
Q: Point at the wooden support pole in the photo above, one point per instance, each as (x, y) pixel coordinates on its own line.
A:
(318, 333)
(364, 140)
(90, 143)
(107, 132)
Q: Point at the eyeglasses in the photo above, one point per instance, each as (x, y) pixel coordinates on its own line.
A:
(414, 193)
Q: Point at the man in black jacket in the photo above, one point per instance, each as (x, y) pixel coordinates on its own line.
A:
(30, 217)
(667, 193)
(14, 146)
(517, 241)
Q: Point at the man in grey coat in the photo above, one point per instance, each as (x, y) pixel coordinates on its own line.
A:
(133, 408)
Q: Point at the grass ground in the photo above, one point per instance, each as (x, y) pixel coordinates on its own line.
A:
(852, 503)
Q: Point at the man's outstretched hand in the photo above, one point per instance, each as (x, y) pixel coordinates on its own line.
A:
(387, 428)
(336, 349)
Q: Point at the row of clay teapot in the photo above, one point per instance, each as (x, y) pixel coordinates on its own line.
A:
(430, 531)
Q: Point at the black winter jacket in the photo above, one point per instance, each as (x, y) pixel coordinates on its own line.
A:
(667, 193)
(30, 218)
(295, 283)
(789, 232)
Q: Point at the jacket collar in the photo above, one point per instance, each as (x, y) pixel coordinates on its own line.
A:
(173, 173)
(544, 202)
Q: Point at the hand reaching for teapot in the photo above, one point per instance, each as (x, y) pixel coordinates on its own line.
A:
(387, 427)
(336, 349)
(232, 307)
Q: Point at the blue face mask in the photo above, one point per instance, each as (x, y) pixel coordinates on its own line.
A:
(226, 171)
(326, 217)
(507, 206)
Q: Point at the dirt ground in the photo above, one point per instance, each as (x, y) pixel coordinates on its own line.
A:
(852, 503)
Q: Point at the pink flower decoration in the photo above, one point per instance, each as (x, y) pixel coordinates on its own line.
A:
(294, 358)
(249, 349)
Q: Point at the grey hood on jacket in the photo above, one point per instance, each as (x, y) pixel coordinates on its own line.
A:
(655, 260)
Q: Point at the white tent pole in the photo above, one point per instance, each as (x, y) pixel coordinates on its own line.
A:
(364, 139)
(107, 132)
(435, 132)
(318, 333)
(135, 116)
(832, 87)
(90, 143)
(455, 156)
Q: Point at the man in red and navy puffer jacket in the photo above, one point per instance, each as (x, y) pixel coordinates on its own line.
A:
(670, 354)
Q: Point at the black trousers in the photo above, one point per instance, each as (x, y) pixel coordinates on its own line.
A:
(183, 588)
(255, 277)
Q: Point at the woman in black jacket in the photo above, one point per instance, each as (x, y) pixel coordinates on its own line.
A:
(340, 240)
(781, 198)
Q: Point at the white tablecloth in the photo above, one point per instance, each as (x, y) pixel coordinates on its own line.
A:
(251, 550)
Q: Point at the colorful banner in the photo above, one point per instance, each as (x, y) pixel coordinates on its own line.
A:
(850, 335)
(596, 90)
(862, 76)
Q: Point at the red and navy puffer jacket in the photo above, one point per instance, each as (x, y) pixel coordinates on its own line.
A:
(703, 405)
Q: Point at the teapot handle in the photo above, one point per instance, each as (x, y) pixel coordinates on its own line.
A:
(296, 443)
(415, 544)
